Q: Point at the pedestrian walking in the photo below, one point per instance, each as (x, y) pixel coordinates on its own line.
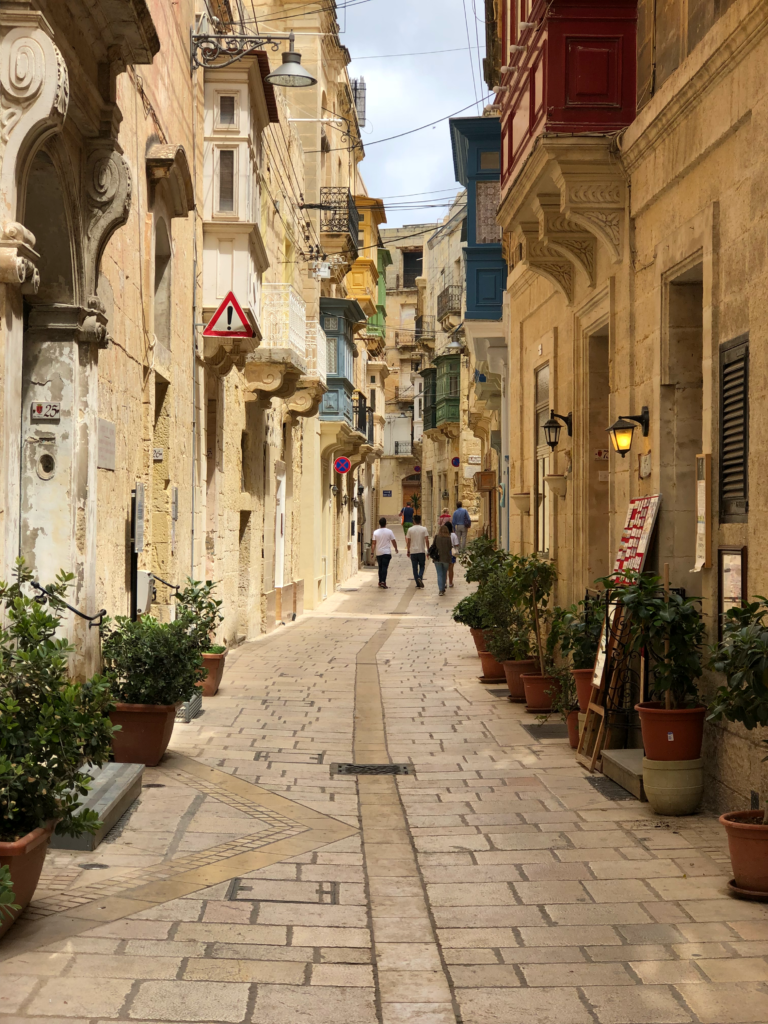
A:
(454, 552)
(382, 544)
(445, 517)
(461, 524)
(416, 546)
(406, 517)
(441, 553)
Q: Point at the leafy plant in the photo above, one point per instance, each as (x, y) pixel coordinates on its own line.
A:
(216, 649)
(582, 626)
(154, 662)
(512, 642)
(482, 559)
(669, 630)
(415, 500)
(7, 896)
(531, 582)
(494, 599)
(563, 693)
(51, 727)
(469, 613)
(204, 611)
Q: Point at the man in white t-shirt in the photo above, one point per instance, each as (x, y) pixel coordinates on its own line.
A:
(417, 545)
(383, 542)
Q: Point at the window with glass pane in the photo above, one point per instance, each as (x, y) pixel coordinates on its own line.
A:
(226, 111)
(226, 180)
(333, 355)
(543, 453)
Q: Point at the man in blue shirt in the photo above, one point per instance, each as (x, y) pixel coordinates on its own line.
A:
(407, 513)
(461, 524)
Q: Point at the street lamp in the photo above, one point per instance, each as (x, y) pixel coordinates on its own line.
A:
(552, 428)
(291, 73)
(622, 430)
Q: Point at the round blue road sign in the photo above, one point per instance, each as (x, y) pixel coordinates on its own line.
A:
(456, 461)
(342, 465)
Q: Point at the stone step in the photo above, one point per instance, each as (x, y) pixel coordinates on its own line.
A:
(626, 768)
(115, 787)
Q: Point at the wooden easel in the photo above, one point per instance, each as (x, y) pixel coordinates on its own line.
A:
(597, 733)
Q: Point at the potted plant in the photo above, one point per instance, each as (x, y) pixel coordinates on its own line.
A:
(197, 598)
(155, 667)
(51, 729)
(511, 645)
(743, 656)
(564, 702)
(668, 630)
(532, 579)
(469, 613)
(582, 626)
(496, 611)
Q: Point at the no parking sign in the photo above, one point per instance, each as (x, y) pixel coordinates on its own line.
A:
(342, 465)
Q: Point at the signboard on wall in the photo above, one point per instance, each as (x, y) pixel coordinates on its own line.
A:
(386, 494)
(637, 533)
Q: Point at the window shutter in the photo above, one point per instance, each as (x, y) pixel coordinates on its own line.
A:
(734, 432)
(226, 110)
(227, 180)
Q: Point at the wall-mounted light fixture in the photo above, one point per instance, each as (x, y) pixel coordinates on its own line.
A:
(446, 495)
(334, 490)
(344, 500)
(622, 430)
(552, 428)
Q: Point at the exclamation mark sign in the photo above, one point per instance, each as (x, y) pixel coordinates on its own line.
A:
(230, 311)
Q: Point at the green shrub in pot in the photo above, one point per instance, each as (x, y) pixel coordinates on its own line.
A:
(52, 727)
(204, 611)
(512, 642)
(582, 626)
(7, 897)
(531, 580)
(469, 613)
(482, 559)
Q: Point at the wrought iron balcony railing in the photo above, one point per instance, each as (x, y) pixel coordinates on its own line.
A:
(425, 328)
(360, 415)
(338, 213)
(403, 448)
(449, 301)
(405, 338)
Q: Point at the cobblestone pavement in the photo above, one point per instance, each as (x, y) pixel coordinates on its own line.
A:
(494, 885)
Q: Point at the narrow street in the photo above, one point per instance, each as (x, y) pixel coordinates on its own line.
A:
(494, 885)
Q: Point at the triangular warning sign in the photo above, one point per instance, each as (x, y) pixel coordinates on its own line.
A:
(229, 321)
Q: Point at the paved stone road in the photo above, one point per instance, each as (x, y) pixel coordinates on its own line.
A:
(495, 885)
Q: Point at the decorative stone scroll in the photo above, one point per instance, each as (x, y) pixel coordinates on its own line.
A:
(593, 198)
(306, 401)
(566, 236)
(271, 373)
(17, 254)
(546, 260)
(108, 200)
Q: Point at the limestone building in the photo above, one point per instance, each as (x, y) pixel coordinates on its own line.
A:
(634, 225)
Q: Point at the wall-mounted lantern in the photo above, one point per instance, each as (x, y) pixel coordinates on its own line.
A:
(623, 429)
(552, 428)
(334, 490)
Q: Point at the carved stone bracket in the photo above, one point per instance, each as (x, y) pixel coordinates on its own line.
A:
(306, 401)
(169, 164)
(566, 236)
(107, 193)
(546, 260)
(594, 198)
(17, 254)
(64, 323)
(272, 373)
(220, 356)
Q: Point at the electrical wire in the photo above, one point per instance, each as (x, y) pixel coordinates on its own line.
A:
(477, 37)
(471, 56)
(311, 11)
(415, 53)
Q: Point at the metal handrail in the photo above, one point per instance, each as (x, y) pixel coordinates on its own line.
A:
(172, 586)
(90, 619)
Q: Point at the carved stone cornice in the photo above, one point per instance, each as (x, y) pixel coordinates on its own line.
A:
(566, 236)
(107, 196)
(545, 259)
(593, 198)
(59, 322)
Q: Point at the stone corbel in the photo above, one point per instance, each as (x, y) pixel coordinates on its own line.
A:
(269, 377)
(593, 198)
(545, 260)
(221, 357)
(34, 93)
(566, 236)
(169, 164)
(306, 401)
(108, 189)
(17, 254)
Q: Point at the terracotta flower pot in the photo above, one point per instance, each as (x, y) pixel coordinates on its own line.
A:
(145, 733)
(25, 859)
(215, 665)
(572, 721)
(671, 735)
(492, 669)
(748, 846)
(514, 670)
(479, 637)
(536, 696)
(583, 679)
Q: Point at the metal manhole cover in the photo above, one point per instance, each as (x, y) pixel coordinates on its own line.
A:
(608, 788)
(549, 731)
(371, 769)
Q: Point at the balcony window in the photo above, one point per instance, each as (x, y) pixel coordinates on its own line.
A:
(227, 112)
(333, 353)
(226, 181)
(413, 264)
(489, 160)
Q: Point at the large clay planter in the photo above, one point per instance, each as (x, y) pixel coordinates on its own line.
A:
(671, 735)
(25, 859)
(748, 846)
(572, 721)
(145, 733)
(492, 669)
(536, 696)
(673, 787)
(479, 637)
(583, 679)
(514, 671)
(215, 665)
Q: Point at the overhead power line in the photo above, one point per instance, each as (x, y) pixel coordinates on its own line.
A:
(415, 53)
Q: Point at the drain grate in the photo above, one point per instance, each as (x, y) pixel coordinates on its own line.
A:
(372, 769)
(549, 731)
(608, 788)
(501, 690)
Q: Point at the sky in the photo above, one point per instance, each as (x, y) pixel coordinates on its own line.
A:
(406, 92)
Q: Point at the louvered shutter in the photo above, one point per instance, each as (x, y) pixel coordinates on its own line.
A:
(734, 432)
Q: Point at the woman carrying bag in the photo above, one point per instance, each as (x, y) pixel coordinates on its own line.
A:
(440, 553)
